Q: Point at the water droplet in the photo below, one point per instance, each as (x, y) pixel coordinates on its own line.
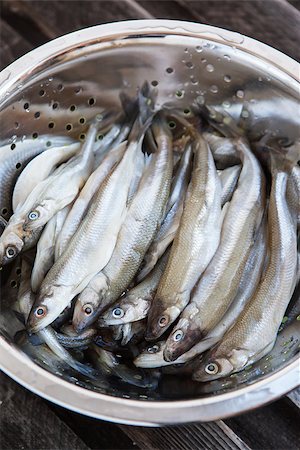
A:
(240, 93)
(189, 64)
(200, 99)
(50, 79)
(227, 78)
(226, 104)
(199, 49)
(210, 68)
(227, 58)
(214, 89)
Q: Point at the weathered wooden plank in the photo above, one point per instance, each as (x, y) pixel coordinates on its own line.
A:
(272, 427)
(60, 17)
(167, 9)
(216, 435)
(273, 22)
(28, 423)
(12, 45)
(95, 433)
(294, 397)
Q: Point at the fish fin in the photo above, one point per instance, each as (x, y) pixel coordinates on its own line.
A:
(129, 105)
(220, 120)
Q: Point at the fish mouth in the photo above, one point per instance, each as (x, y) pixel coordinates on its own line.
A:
(174, 350)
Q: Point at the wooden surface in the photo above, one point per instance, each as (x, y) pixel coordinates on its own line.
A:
(27, 421)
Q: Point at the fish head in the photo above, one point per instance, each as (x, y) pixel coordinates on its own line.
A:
(11, 245)
(38, 216)
(151, 356)
(159, 319)
(85, 310)
(182, 339)
(125, 312)
(46, 308)
(219, 365)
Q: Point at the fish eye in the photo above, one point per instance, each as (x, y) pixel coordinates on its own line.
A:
(178, 335)
(33, 215)
(163, 321)
(118, 312)
(153, 349)
(88, 309)
(212, 369)
(41, 311)
(10, 252)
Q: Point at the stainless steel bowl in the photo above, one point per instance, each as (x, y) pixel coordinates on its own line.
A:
(71, 78)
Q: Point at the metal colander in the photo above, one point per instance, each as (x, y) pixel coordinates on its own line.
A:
(56, 90)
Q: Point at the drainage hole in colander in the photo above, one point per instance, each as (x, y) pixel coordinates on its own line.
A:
(13, 146)
(34, 135)
(55, 105)
(4, 211)
(17, 124)
(48, 144)
(26, 106)
(37, 115)
(179, 94)
(100, 137)
(18, 271)
(187, 111)
(42, 93)
(91, 101)
(82, 120)
(154, 83)
(82, 136)
(69, 127)
(13, 283)
(169, 70)
(72, 108)
(172, 125)
(77, 90)
(18, 166)
(51, 125)
(60, 87)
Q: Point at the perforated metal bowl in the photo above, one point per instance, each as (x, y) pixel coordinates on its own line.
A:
(57, 88)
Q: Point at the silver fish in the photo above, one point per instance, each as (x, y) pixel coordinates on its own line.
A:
(192, 250)
(80, 206)
(108, 364)
(139, 227)
(39, 169)
(171, 221)
(219, 283)
(254, 334)
(14, 157)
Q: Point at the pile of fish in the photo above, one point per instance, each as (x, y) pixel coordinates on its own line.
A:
(171, 241)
